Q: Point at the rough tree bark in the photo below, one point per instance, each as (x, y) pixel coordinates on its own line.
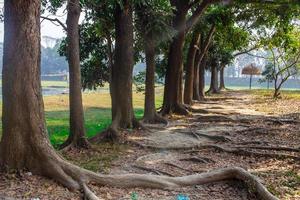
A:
(189, 77)
(77, 136)
(196, 95)
(172, 98)
(202, 78)
(121, 75)
(149, 38)
(25, 143)
(222, 80)
(200, 63)
(150, 114)
(213, 89)
(172, 102)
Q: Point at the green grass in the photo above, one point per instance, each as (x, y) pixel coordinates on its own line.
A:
(96, 120)
(287, 94)
(97, 110)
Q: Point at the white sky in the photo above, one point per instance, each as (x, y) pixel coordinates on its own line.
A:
(47, 28)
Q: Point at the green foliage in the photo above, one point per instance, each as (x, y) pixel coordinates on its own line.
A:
(268, 73)
(153, 19)
(140, 79)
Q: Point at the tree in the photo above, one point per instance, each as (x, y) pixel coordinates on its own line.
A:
(189, 76)
(25, 143)
(213, 63)
(200, 63)
(152, 19)
(77, 135)
(284, 64)
(121, 74)
(267, 74)
(172, 102)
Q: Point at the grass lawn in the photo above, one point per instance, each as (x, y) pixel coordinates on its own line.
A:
(97, 108)
(285, 94)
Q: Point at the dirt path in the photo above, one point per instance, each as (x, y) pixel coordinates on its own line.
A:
(222, 131)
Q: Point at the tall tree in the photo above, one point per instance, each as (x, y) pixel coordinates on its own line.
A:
(152, 18)
(77, 135)
(189, 76)
(200, 63)
(25, 143)
(172, 102)
(121, 74)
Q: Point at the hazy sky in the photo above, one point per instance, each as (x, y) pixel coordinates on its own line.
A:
(47, 28)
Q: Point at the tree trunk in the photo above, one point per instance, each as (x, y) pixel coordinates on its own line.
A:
(150, 114)
(202, 78)
(222, 80)
(121, 75)
(25, 143)
(172, 93)
(189, 77)
(214, 80)
(77, 137)
(196, 95)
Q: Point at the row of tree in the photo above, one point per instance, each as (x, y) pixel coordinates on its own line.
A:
(192, 35)
(182, 38)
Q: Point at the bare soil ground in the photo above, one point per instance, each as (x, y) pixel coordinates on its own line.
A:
(231, 129)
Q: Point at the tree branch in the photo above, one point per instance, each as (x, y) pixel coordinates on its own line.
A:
(55, 20)
(245, 51)
(198, 12)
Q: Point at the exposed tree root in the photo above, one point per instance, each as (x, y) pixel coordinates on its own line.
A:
(252, 142)
(198, 159)
(178, 167)
(138, 125)
(259, 130)
(242, 151)
(177, 109)
(156, 171)
(109, 135)
(88, 194)
(75, 178)
(69, 147)
(164, 182)
(157, 119)
(214, 118)
(282, 121)
(218, 138)
(79, 143)
(275, 148)
(202, 111)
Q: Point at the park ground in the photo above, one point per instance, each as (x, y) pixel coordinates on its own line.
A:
(234, 128)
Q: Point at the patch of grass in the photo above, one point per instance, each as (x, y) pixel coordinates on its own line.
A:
(54, 84)
(97, 110)
(286, 94)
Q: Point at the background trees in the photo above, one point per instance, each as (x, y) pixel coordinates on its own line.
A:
(283, 59)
